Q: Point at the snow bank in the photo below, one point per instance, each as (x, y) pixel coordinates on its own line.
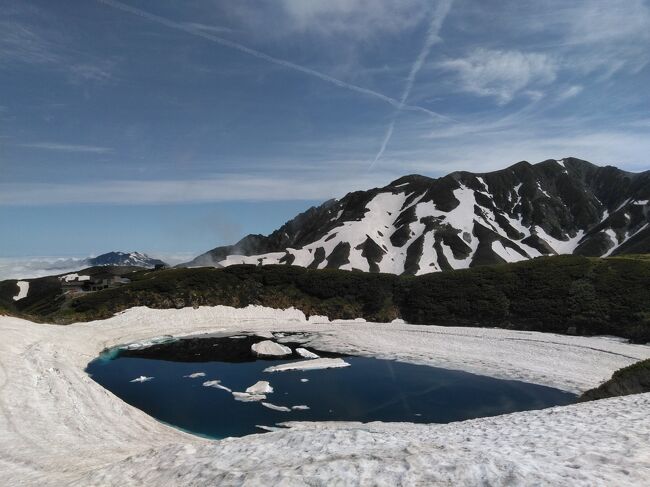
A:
(267, 348)
(148, 343)
(94, 438)
(316, 364)
(23, 289)
(74, 277)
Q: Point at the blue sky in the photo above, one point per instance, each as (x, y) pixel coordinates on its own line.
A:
(172, 127)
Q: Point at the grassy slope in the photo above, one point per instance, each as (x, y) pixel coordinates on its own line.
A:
(566, 294)
(633, 379)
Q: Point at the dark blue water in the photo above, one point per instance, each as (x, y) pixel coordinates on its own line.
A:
(369, 390)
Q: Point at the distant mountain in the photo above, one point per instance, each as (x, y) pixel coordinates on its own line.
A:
(417, 225)
(135, 259)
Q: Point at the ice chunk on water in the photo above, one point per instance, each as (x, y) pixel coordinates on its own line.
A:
(142, 378)
(260, 387)
(269, 348)
(195, 375)
(216, 384)
(247, 397)
(303, 352)
(319, 363)
(276, 408)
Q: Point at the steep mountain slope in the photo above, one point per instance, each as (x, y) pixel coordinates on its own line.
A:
(417, 225)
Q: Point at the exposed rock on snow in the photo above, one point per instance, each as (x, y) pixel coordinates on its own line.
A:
(276, 408)
(142, 378)
(303, 352)
(23, 289)
(94, 438)
(320, 363)
(260, 387)
(267, 348)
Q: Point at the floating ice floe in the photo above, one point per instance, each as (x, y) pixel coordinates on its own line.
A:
(304, 380)
(260, 387)
(195, 375)
(270, 349)
(284, 409)
(216, 384)
(23, 289)
(319, 363)
(247, 397)
(142, 378)
(303, 352)
(300, 407)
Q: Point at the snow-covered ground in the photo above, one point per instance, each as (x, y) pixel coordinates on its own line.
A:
(58, 427)
(23, 289)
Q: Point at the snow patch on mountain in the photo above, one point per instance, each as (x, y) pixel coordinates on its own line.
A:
(23, 289)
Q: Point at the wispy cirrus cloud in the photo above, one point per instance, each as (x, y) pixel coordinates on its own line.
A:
(53, 146)
(23, 41)
(502, 74)
(354, 18)
(226, 187)
(266, 57)
(432, 36)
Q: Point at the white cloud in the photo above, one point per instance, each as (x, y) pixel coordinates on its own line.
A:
(31, 267)
(28, 43)
(221, 188)
(53, 146)
(570, 92)
(502, 74)
(265, 57)
(354, 18)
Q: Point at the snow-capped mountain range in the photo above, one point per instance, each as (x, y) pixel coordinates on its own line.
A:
(417, 224)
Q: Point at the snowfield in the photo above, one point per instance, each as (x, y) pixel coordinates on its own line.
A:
(58, 427)
(23, 289)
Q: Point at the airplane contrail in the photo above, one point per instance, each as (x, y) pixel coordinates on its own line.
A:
(431, 38)
(266, 57)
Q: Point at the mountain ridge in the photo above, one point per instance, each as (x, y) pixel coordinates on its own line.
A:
(118, 258)
(417, 224)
